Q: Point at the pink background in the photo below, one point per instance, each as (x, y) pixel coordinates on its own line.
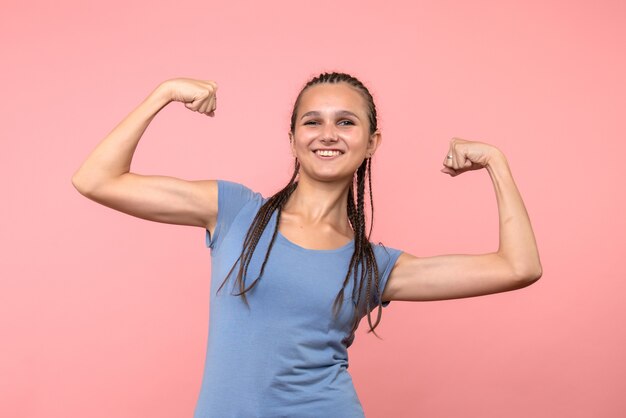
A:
(105, 315)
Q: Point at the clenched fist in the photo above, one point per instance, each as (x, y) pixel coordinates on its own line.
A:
(197, 95)
(464, 155)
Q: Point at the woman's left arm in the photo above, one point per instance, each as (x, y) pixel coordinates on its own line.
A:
(514, 265)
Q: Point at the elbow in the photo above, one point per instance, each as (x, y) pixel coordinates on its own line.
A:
(80, 184)
(77, 184)
(526, 276)
(523, 273)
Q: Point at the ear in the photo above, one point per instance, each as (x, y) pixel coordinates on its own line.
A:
(292, 144)
(375, 140)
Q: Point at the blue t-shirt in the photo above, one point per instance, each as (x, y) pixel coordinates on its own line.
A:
(282, 356)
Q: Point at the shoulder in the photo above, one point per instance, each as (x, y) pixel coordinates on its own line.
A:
(386, 258)
(234, 201)
(229, 186)
(235, 195)
(385, 252)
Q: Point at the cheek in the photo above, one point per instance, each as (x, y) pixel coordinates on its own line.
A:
(301, 145)
(300, 148)
(303, 141)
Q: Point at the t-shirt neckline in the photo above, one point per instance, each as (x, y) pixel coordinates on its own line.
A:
(285, 240)
(311, 250)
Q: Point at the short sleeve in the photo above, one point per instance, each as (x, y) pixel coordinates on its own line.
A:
(231, 198)
(386, 258)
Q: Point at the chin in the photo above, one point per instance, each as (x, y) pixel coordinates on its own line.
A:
(329, 177)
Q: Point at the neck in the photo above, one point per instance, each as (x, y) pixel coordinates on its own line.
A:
(318, 203)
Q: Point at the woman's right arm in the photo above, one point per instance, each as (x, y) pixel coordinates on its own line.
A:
(105, 176)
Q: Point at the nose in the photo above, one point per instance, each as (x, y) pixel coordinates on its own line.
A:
(329, 133)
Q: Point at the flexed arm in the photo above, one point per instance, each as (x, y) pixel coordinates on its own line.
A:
(514, 265)
(105, 175)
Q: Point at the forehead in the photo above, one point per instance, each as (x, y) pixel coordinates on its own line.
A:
(340, 95)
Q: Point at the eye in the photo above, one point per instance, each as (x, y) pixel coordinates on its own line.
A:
(349, 122)
(309, 122)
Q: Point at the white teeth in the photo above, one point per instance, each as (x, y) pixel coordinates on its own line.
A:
(327, 153)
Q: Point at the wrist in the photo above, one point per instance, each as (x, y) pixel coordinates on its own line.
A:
(496, 160)
(163, 93)
(495, 157)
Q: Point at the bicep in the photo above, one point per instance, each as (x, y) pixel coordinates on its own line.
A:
(161, 198)
(451, 276)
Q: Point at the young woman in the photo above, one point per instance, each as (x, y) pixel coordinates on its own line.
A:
(301, 268)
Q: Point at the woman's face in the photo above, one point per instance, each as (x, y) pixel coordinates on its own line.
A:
(332, 118)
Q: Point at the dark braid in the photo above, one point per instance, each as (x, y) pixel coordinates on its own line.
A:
(363, 255)
(255, 231)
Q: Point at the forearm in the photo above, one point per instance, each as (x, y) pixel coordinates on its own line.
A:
(113, 155)
(517, 240)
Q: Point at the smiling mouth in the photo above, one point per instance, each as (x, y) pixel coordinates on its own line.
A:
(327, 154)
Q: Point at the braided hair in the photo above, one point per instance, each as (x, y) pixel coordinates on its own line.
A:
(363, 250)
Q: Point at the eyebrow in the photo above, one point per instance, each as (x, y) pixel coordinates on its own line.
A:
(339, 112)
